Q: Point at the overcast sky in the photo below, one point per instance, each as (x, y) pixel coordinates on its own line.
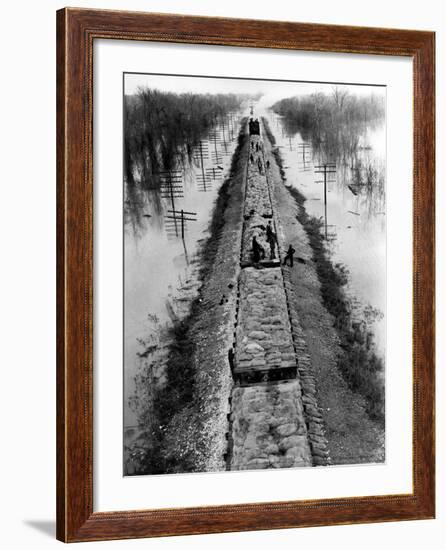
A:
(273, 90)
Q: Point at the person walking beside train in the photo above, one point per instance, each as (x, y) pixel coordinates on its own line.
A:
(289, 256)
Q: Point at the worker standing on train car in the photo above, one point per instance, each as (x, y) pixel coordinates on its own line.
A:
(271, 238)
(269, 230)
(258, 253)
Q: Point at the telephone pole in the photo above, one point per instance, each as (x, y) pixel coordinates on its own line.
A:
(200, 154)
(304, 147)
(181, 217)
(171, 187)
(326, 169)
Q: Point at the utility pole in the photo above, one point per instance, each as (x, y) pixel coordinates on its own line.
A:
(326, 168)
(202, 163)
(231, 126)
(216, 156)
(200, 154)
(214, 139)
(214, 173)
(171, 187)
(224, 135)
(181, 216)
(304, 147)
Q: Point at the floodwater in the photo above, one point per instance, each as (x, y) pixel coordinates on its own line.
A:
(161, 270)
(355, 223)
(160, 266)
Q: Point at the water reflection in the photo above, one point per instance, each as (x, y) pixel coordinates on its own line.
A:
(164, 225)
(354, 210)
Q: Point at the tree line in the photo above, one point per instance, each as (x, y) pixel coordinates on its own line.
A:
(332, 122)
(161, 130)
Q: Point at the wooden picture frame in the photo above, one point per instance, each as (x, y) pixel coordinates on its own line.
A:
(77, 29)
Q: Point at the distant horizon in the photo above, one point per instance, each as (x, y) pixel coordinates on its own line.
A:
(227, 85)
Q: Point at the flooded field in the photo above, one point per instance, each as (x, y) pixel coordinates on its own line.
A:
(161, 271)
(354, 216)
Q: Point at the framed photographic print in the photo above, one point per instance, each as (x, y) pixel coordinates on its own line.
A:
(245, 275)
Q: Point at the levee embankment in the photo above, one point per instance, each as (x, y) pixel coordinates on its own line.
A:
(195, 400)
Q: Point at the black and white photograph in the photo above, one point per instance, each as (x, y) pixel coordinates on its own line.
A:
(254, 274)
(220, 266)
